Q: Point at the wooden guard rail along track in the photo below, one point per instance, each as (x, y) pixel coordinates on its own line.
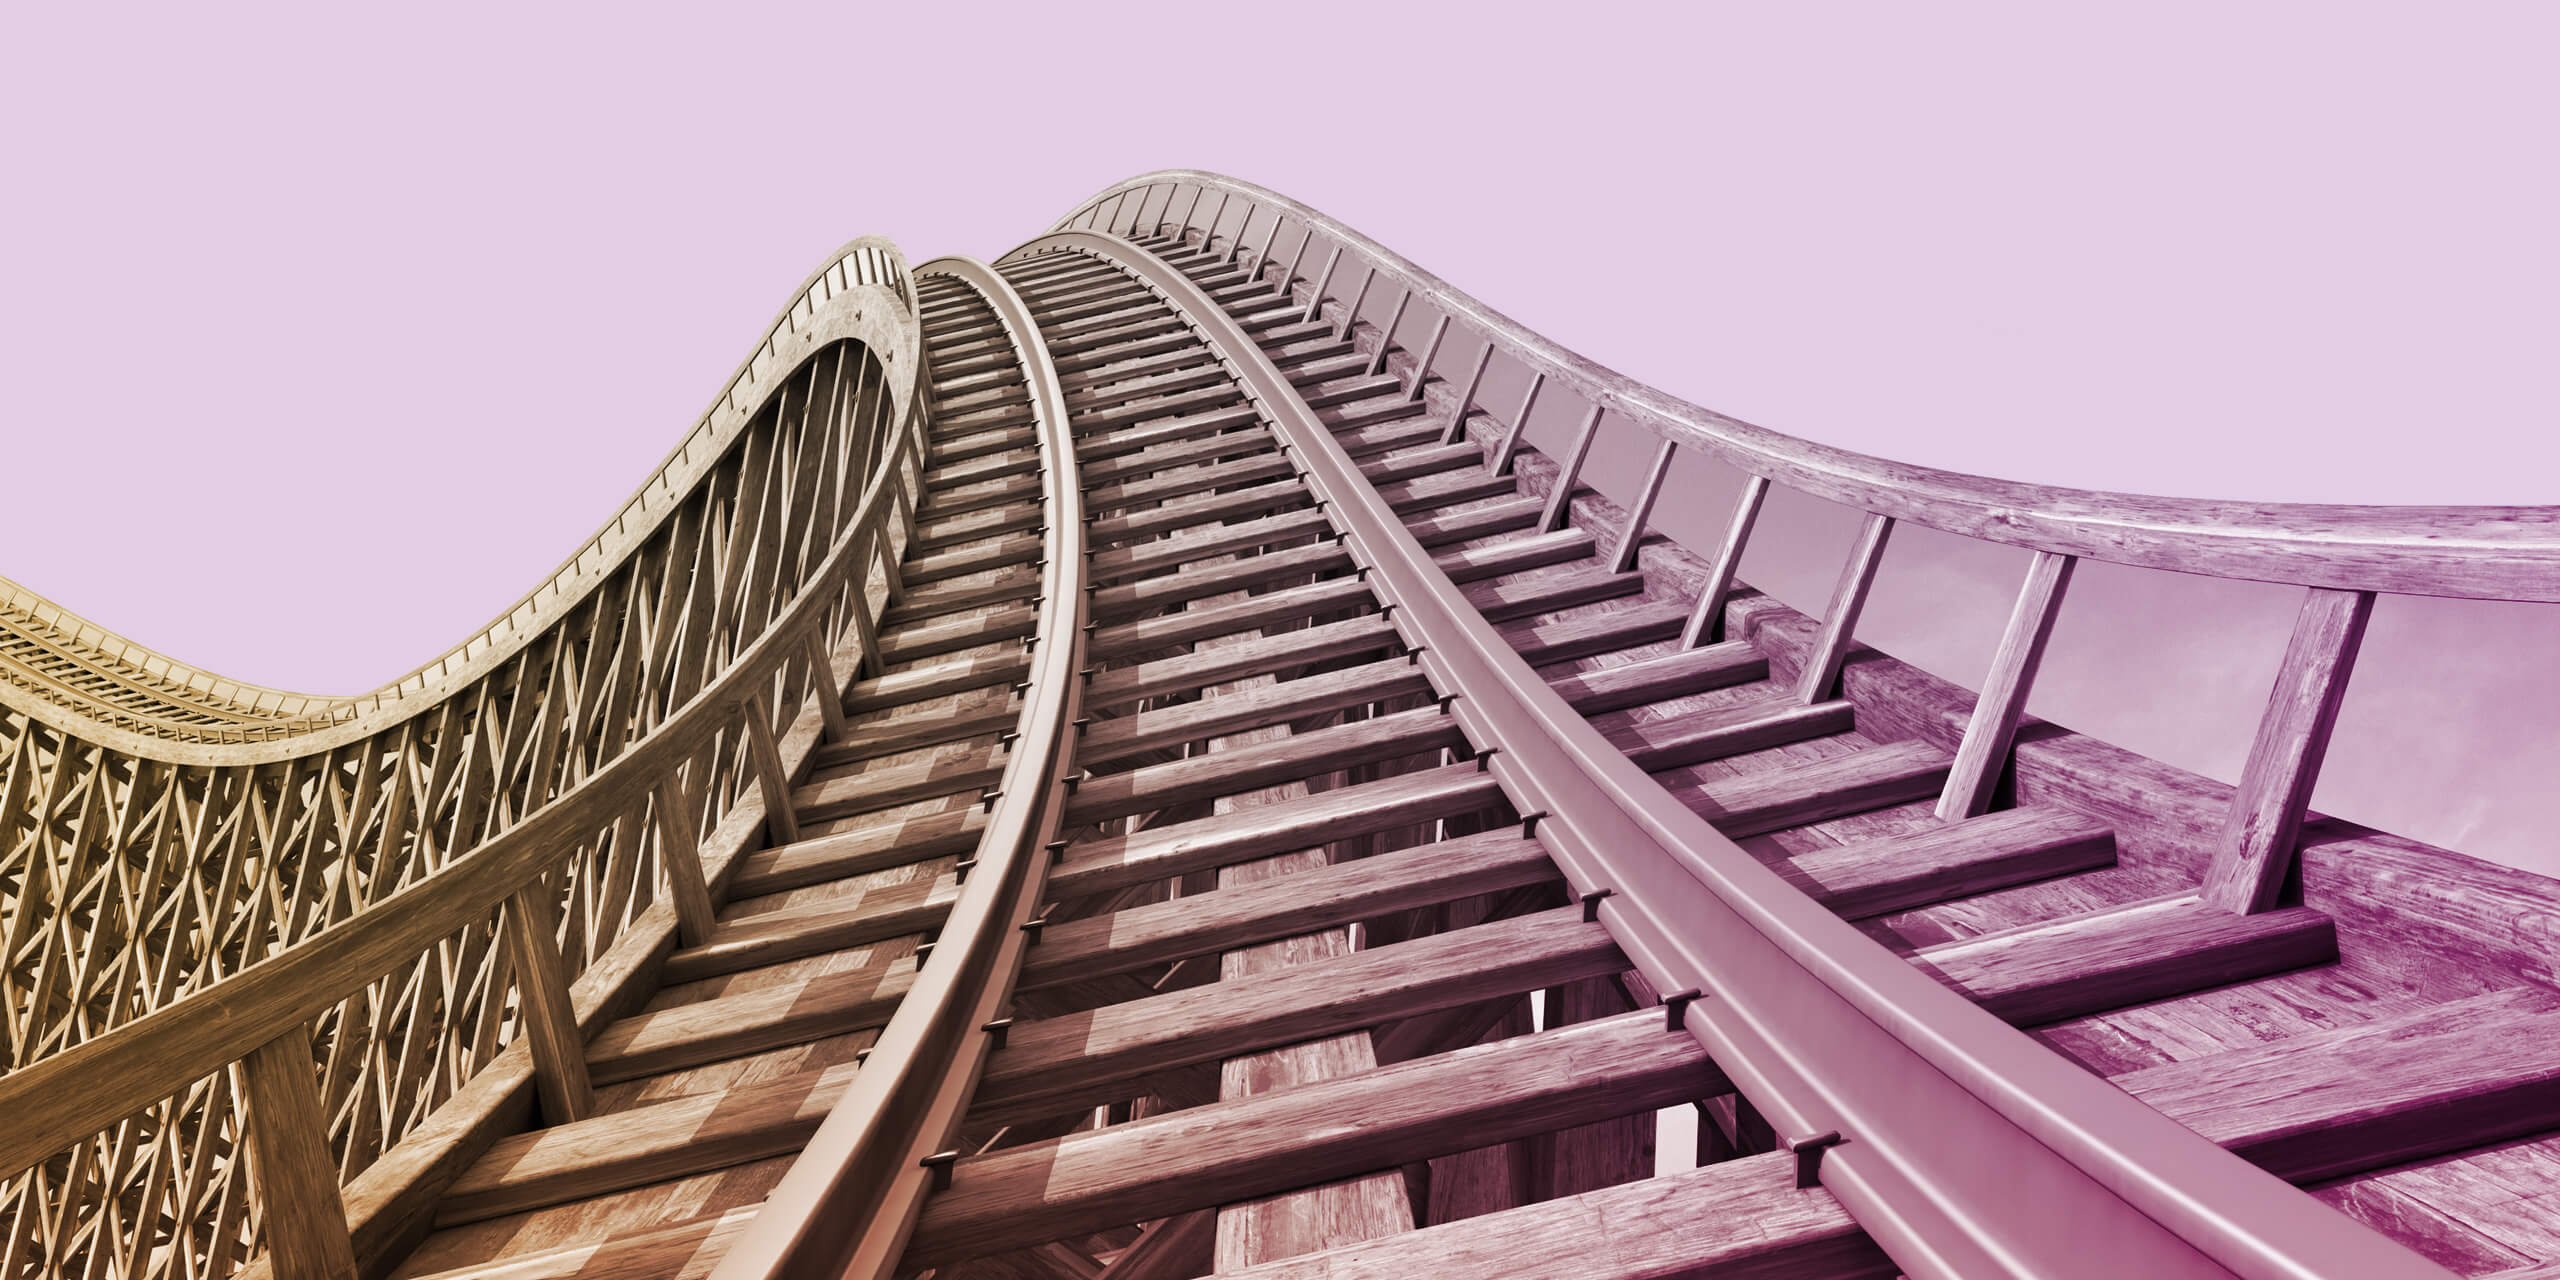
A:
(1157, 758)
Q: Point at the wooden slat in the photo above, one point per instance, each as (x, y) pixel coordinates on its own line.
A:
(1164, 591)
(1727, 731)
(1057, 1064)
(870, 846)
(1118, 862)
(2015, 846)
(940, 680)
(1660, 679)
(891, 911)
(1229, 1151)
(1169, 554)
(1300, 902)
(733, 1026)
(1738, 1220)
(1255, 613)
(2255, 852)
(1540, 643)
(297, 1182)
(686, 1249)
(1152, 728)
(1514, 598)
(850, 791)
(1183, 673)
(2109, 959)
(1291, 759)
(1775, 799)
(2381, 1093)
(1984, 752)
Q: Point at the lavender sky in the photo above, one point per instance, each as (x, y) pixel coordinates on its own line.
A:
(329, 333)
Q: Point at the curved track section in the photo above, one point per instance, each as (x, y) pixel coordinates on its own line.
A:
(1235, 794)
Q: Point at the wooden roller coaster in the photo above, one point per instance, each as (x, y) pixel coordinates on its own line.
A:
(1152, 758)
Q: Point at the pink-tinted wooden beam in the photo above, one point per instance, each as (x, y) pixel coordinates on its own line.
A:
(2255, 852)
(1624, 558)
(1821, 677)
(1985, 749)
(1706, 623)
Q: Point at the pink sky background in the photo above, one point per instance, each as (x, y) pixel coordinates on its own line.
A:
(329, 333)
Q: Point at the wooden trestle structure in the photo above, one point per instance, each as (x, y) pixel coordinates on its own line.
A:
(1151, 759)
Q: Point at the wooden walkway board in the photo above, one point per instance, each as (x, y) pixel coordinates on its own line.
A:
(1229, 1151)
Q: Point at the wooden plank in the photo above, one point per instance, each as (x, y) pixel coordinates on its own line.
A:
(1324, 642)
(1262, 468)
(686, 1249)
(1446, 528)
(1660, 679)
(1164, 591)
(959, 675)
(843, 792)
(297, 1179)
(1541, 642)
(1057, 1064)
(1515, 555)
(1290, 759)
(1984, 753)
(1995, 851)
(1153, 728)
(1738, 1220)
(2380, 1093)
(680, 853)
(635, 1147)
(1175, 1248)
(1714, 734)
(1264, 612)
(1515, 598)
(1605, 1153)
(1193, 512)
(956, 631)
(2109, 959)
(1227, 1151)
(1300, 902)
(890, 911)
(1775, 799)
(773, 782)
(733, 1026)
(1118, 862)
(1169, 554)
(2255, 852)
(870, 847)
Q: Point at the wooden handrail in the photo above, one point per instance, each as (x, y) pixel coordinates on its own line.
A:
(2482, 553)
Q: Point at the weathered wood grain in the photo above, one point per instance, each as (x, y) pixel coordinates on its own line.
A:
(2254, 854)
(1984, 753)
(1878, 877)
(288, 1137)
(2106, 959)
(1230, 1150)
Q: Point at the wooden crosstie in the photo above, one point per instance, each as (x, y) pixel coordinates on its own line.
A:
(1152, 758)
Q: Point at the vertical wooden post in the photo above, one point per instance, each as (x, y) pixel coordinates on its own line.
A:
(1706, 623)
(682, 854)
(1821, 676)
(2256, 849)
(825, 686)
(1430, 352)
(550, 1018)
(1387, 336)
(1500, 463)
(779, 821)
(1315, 304)
(1985, 749)
(1568, 477)
(307, 1235)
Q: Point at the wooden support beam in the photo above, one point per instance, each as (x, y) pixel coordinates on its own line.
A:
(1820, 678)
(1659, 679)
(1057, 1063)
(2255, 853)
(1301, 902)
(1706, 622)
(1984, 752)
(1235, 1149)
(297, 1177)
(1289, 759)
(1264, 612)
(1738, 1220)
(1262, 655)
(1960, 859)
(1776, 799)
(2377, 1094)
(1701, 736)
(773, 782)
(867, 846)
(550, 1016)
(891, 911)
(681, 853)
(2109, 959)
(1540, 642)
(1116, 862)
(1154, 728)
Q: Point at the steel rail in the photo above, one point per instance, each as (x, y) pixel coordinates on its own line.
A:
(67, 1096)
(1962, 1145)
(851, 1198)
(280, 724)
(2481, 552)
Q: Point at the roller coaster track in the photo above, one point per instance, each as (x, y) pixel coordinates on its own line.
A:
(1165, 755)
